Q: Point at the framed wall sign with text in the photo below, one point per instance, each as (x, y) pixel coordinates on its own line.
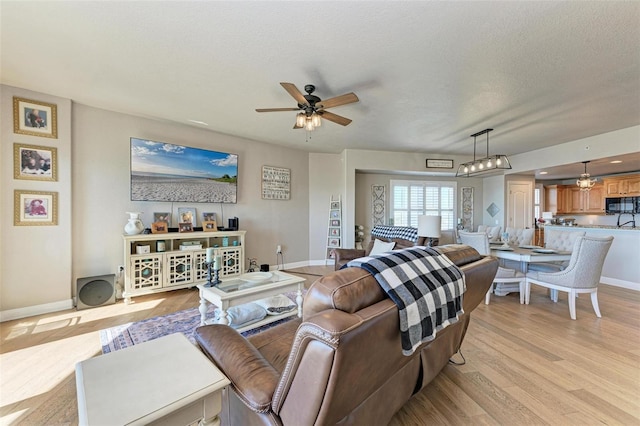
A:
(439, 164)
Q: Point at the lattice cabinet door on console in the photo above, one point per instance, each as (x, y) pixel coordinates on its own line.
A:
(146, 272)
(179, 268)
(231, 261)
(162, 262)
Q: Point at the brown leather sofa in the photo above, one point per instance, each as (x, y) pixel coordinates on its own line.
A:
(342, 363)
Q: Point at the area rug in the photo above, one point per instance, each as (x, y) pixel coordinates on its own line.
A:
(186, 321)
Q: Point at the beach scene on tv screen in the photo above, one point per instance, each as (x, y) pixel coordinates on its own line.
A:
(167, 172)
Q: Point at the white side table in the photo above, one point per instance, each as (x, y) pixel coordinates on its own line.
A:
(163, 381)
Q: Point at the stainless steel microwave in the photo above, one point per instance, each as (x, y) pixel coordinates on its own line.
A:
(622, 205)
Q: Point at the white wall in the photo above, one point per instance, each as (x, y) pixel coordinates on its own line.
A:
(325, 177)
(363, 202)
(609, 144)
(41, 264)
(384, 162)
(493, 192)
(35, 269)
(101, 149)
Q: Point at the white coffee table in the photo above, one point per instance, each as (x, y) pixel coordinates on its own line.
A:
(163, 381)
(237, 291)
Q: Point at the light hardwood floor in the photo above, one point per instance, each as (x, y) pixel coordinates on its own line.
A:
(525, 364)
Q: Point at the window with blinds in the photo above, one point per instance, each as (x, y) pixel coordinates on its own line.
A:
(411, 199)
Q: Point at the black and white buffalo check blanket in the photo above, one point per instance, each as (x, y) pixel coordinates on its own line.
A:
(426, 286)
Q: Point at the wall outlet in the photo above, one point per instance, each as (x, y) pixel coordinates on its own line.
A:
(120, 269)
(278, 249)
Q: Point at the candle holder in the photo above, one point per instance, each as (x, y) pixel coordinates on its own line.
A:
(216, 275)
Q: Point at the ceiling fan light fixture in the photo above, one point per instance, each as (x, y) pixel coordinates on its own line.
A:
(309, 127)
(584, 182)
(301, 118)
(315, 119)
(483, 165)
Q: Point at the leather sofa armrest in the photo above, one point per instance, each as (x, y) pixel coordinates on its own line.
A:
(343, 256)
(253, 377)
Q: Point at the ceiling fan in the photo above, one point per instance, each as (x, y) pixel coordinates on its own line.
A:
(312, 108)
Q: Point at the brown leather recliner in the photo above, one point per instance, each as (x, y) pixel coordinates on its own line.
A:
(342, 363)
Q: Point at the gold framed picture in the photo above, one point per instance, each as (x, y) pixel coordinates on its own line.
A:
(159, 227)
(35, 162)
(209, 226)
(35, 208)
(35, 118)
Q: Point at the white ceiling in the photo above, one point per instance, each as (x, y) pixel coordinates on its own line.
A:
(428, 74)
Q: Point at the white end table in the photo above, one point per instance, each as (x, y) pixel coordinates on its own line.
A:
(163, 381)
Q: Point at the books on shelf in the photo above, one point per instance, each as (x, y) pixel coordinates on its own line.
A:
(191, 245)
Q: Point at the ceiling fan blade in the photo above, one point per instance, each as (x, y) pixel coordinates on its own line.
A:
(275, 109)
(338, 100)
(293, 91)
(335, 118)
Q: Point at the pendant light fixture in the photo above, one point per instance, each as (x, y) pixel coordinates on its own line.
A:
(585, 183)
(483, 165)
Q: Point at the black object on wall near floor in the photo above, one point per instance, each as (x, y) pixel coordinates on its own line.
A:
(264, 267)
(95, 291)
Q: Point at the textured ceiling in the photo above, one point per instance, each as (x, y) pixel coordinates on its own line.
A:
(428, 74)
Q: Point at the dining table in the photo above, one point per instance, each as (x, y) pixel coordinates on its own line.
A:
(527, 254)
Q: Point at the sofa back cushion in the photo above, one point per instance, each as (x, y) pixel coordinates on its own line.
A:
(347, 290)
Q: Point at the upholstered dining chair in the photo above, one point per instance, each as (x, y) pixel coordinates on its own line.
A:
(520, 236)
(480, 242)
(558, 240)
(581, 276)
(493, 232)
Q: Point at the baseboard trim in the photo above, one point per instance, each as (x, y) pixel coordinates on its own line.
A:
(62, 305)
(620, 283)
(29, 311)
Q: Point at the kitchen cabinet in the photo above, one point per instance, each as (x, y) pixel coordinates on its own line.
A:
(585, 202)
(625, 186)
(563, 199)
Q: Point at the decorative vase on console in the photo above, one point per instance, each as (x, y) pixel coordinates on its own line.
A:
(134, 225)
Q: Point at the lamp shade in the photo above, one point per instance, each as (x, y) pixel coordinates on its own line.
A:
(429, 226)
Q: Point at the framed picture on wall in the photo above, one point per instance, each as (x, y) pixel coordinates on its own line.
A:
(334, 232)
(335, 222)
(35, 208)
(334, 242)
(35, 162)
(35, 118)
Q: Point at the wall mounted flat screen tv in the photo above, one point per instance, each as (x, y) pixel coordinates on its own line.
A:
(168, 172)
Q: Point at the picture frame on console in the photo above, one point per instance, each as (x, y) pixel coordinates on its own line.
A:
(159, 227)
(34, 162)
(35, 118)
(185, 227)
(35, 208)
(162, 217)
(187, 214)
(208, 217)
(209, 226)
